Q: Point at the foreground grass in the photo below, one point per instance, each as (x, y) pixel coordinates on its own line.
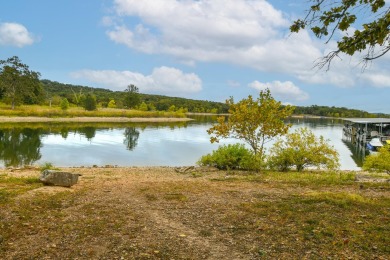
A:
(159, 214)
(46, 111)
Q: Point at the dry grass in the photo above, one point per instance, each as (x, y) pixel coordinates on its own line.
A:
(156, 213)
(56, 112)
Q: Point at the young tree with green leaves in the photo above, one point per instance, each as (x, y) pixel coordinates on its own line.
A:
(90, 102)
(64, 104)
(379, 162)
(18, 83)
(302, 149)
(325, 18)
(132, 96)
(254, 121)
(111, 104)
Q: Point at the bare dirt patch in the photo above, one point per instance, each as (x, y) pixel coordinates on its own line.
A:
(158, 213)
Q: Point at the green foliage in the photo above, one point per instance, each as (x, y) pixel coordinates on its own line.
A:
(132, 97)
(111, 104)
(64, 104)
(20, 146)
(18, 84)
(302, 149)
(229, 157)
(172, 108)
(90, 102)
(47, 166)
(334, 112)
(325, 19)
(143, 107)
(254, 121)
(74, 94)
(378, 162)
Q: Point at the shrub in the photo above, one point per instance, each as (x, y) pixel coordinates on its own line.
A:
(228, 157)
(302, 149)
(64, 104)
(90, 102)
(47, 166)
(111, 104)
(378, 162)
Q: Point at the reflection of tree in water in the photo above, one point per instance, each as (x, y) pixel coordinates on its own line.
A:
(88, 131)
(20, 146)
(131, 138)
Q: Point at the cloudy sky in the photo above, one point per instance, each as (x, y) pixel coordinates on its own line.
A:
(200, 49)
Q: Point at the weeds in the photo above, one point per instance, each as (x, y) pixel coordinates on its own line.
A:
(46, 111)
(47, 166)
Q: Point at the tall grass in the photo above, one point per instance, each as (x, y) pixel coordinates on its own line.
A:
(46, 111)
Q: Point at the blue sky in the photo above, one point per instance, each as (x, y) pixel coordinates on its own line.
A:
(203, 49)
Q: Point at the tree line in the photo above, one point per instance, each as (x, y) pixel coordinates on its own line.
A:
(20, 85)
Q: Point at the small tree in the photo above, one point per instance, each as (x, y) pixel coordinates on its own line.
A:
(143, 107)
(379, 162)
(172, 108)
(132, 97)
(254, 121)
(64, 104)
(303, 149)
(90, 102)
(111, 104)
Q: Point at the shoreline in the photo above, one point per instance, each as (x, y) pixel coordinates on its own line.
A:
(33, 119)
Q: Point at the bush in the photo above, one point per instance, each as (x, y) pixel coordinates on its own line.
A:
(229, 157)
(378, 162)
(302, 149)
(111, 104)
(64, 104)
(90, 102)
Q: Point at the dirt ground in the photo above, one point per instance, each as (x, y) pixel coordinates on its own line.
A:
(159, 213)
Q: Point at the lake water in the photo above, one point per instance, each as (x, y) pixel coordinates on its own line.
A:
(134, 144)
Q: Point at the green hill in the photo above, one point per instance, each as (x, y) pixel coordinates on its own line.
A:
(56, 91)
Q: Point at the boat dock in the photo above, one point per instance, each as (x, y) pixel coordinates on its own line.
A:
(363, 130)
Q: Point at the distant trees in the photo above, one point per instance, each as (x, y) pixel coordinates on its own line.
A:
(132, 96)
(256, 122)
(19, 84)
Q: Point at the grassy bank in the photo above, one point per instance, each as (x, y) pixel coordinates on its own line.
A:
(56, 112)
(157, 213)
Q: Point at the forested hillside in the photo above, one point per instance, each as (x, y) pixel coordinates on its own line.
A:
(57, 91)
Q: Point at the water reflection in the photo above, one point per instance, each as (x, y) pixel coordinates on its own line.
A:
(131, 138)
(169, 144)
(20, 146)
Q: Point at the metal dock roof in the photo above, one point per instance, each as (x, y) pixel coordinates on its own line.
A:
(368, 120)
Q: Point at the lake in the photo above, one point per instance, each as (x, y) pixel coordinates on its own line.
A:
(130, 144)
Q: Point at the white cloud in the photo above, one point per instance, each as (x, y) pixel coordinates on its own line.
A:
(380, 80)
(233, 83)
(235, 31)
(14, 34)
(250, 33)
(163, 80)
(286, 91)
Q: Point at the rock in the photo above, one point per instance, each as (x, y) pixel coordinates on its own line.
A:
(57, 178)
(184, 169)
